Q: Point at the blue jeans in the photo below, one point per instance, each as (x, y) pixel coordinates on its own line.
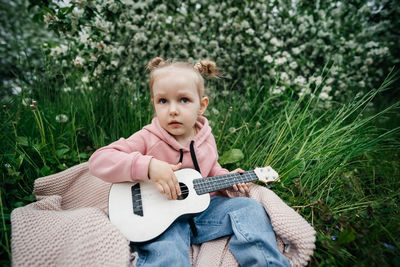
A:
(252, 243)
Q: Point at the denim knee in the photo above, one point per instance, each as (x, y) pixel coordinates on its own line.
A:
(247, 203)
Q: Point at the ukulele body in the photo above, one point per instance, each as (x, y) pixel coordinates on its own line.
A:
(142, 213)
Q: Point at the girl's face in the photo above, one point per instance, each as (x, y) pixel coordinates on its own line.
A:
(177, 103)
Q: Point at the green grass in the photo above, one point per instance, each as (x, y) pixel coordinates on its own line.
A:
(339, 168)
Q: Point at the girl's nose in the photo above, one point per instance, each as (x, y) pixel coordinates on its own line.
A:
(173, 109)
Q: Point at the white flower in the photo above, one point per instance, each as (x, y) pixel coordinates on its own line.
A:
(198, 6)
(61, 118)
(113, 8)
(368, 61)
(276, 91)
(102, 24)
(362, 83)
(78, 61)
(245, 24)
(250, 31)
(267, 35)
(293, 65)
(371, 44)
(326, 89)
(215, 111)
(67, 89)
(329, 80)
(284, 76)
(300, 80)
(296, 50)
(213, 44)
(168, 20)
(97, 72)
(323, 96)
(342, 86)
(351, 44)
(47, 18)
(318, 80)
(281, 61)
(304, 91)
(85, 79)
(276, 42)
(114, 63)
(268, 58)
(16, 89)
(58, 50)
(26, 101)
(84, 38)
(77, 12)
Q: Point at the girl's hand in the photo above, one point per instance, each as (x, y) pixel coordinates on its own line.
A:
(162, 175)
(242, 188)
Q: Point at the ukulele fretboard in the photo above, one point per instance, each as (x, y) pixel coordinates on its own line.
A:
(211, 184)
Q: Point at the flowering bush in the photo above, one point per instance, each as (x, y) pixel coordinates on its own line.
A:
(255, 42)
(20, 42)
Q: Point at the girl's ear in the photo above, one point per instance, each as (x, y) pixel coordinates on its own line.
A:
(203, 105)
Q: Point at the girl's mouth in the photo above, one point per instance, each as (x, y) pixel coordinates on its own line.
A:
(175, 124)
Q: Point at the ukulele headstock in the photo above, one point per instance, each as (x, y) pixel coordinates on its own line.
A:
(267, 174)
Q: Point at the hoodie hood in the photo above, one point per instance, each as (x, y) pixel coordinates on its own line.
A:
(203, 131)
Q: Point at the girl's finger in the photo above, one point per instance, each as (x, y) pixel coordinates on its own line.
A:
(241, 189)
(167, 191)
(159, 188)
(172, 188)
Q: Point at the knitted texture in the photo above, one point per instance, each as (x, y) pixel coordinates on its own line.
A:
(68, 226)
(288, 225)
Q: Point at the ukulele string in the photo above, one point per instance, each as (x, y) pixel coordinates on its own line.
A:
(209, 186)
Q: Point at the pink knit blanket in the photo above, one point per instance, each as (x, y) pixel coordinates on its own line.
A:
(68, 226)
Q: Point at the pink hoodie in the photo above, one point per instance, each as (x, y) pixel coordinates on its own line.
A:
(128, 159)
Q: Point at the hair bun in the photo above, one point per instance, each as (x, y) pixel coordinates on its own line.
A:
(155, 63)
(208, 68)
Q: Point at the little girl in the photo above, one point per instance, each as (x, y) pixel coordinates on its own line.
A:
(180, 137)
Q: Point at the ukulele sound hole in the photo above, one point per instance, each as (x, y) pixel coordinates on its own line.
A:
(184, 191)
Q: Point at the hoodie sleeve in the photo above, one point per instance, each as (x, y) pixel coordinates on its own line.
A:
(122, 160)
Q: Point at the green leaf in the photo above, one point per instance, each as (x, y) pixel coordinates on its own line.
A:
(29, 198)
(83, 156)
(45, 171)
(65, 10)
(19, 161)
(61, 152)
(19, 204)
(231, 156)
(48, 10)
(22, 140)
(347, 236)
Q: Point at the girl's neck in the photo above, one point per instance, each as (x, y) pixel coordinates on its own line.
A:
(185, 140)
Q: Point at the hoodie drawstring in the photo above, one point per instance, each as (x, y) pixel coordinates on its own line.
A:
(193, 155)
(181, 156)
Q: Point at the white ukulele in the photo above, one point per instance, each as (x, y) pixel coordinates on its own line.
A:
(142, 213)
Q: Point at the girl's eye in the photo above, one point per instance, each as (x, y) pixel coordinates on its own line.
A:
(162, 100)
(184, 100)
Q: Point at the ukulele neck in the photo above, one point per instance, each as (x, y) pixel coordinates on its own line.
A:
(211, 184)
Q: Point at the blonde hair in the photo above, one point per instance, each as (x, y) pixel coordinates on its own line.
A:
(202, 68)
